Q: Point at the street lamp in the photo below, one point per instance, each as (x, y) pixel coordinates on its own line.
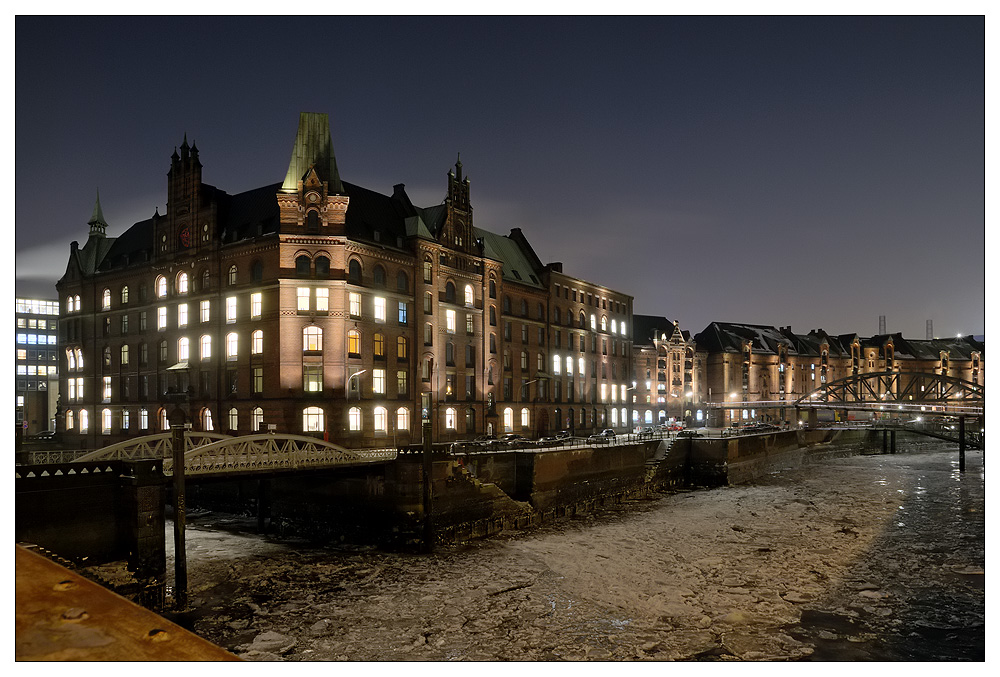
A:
(347, 384)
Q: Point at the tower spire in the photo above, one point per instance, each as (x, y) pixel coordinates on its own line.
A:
(98, 225)
(313, 149)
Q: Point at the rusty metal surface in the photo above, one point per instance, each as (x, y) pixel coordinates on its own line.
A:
(61, 616)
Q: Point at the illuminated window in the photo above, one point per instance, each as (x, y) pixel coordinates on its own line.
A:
(449, 418)
(256, 419)
(508, 420)
(255, 305)
(84, 424)
(556, 365)
(232, 345)
(604, 323)
(450, 321)
(354, 419)
(614, 327)
(354, 343)
(470, 296)
(593, 322)
(69, 304)
(378, 345)
(322, 300)
(234, 419)
(312, 378)
(258, 380)
(106, 388)
(182, 315)
(124, 352)
(312, 338)
(143, 419)
(69, 420)
(381, 419)
(402, 312)
(161, 317)
(402, 419)
(106, 299)
(206, 347)
(623, 327)
(313, 420)
(524, 418)
(379, 309)
(125, 419)
(106, 421)
(161, 287)
(206, 420)
(232, 275)
(206, 311)
(401, 348)
(257, 342)
(604, 392)
(302, 295)
(623, 392)
(428, 270)
(378, 381)
(182, 349)
(231, 309)
(614, 417)
(182, 283)
(354, 303)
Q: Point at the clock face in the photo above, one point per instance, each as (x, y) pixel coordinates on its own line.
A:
(185, 237)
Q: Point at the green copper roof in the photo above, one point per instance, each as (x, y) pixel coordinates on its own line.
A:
(313, 148)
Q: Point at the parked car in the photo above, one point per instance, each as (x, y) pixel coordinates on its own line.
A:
(689, 433)
(675, 427)
(43, 436)
(606, 435)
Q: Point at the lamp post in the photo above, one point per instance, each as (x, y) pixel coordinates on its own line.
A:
(347, 384)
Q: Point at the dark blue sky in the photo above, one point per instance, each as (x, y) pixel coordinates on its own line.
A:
(813, 172)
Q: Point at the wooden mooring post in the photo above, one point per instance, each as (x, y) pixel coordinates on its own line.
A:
(961, 444)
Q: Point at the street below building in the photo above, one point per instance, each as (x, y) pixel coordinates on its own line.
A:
(852, 558)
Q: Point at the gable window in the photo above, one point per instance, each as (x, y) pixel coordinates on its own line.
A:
(302, 265)
(402, 281)
(378, 276)
(232, 275)
(354, 271)
(106, 300)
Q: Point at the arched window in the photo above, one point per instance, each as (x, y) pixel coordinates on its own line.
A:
(401, 348)
(232, 274)
(524, 418)
(493, 288)
(257, 271)
(614, 327)
(354, 419)
(76, 301)
(257, 342)
(183, 348)
(312, 221)
(302, 265)
(161, 287)
(449, 418)
(470, 296)
(506, 304)
(556, 365)
(107, 356)
(234, 419)
(593, 322)
(508, 420)
(206, 347)
(378, 276)
(354, 271)
(402, 281)
(524, 308)
(124, 294)
(449, 292)
(206, 420)
(312, 338)
(378, 344)
(182, 283)
(69, 420)
(79, 358)
(322, 266)
(604, 323)
(313, 420)
(232, 345)
(256, 419)
(403, 419)
(354, 343)
(381, 420)
(143, 419)
(124, 353)
(106, 300)
(205, 277)
(428, 269)
(69, 304)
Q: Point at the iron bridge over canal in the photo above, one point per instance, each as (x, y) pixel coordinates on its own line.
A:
(214, 454)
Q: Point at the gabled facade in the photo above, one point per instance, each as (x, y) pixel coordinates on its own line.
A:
(668, 373)
(320, 307)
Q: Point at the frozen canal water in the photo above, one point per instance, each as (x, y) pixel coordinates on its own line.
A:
(858, 558)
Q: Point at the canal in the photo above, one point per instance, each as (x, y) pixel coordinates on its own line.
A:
(853, 558)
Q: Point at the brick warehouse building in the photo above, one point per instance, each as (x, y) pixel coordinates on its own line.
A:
(324, 308)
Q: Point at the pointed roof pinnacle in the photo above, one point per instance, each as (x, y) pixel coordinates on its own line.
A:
(97, 223)
(313, 149)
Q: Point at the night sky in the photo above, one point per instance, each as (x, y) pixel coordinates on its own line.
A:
(815, 172)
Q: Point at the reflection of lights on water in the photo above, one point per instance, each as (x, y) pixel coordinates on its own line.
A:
(900, 524)
(881, 482)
